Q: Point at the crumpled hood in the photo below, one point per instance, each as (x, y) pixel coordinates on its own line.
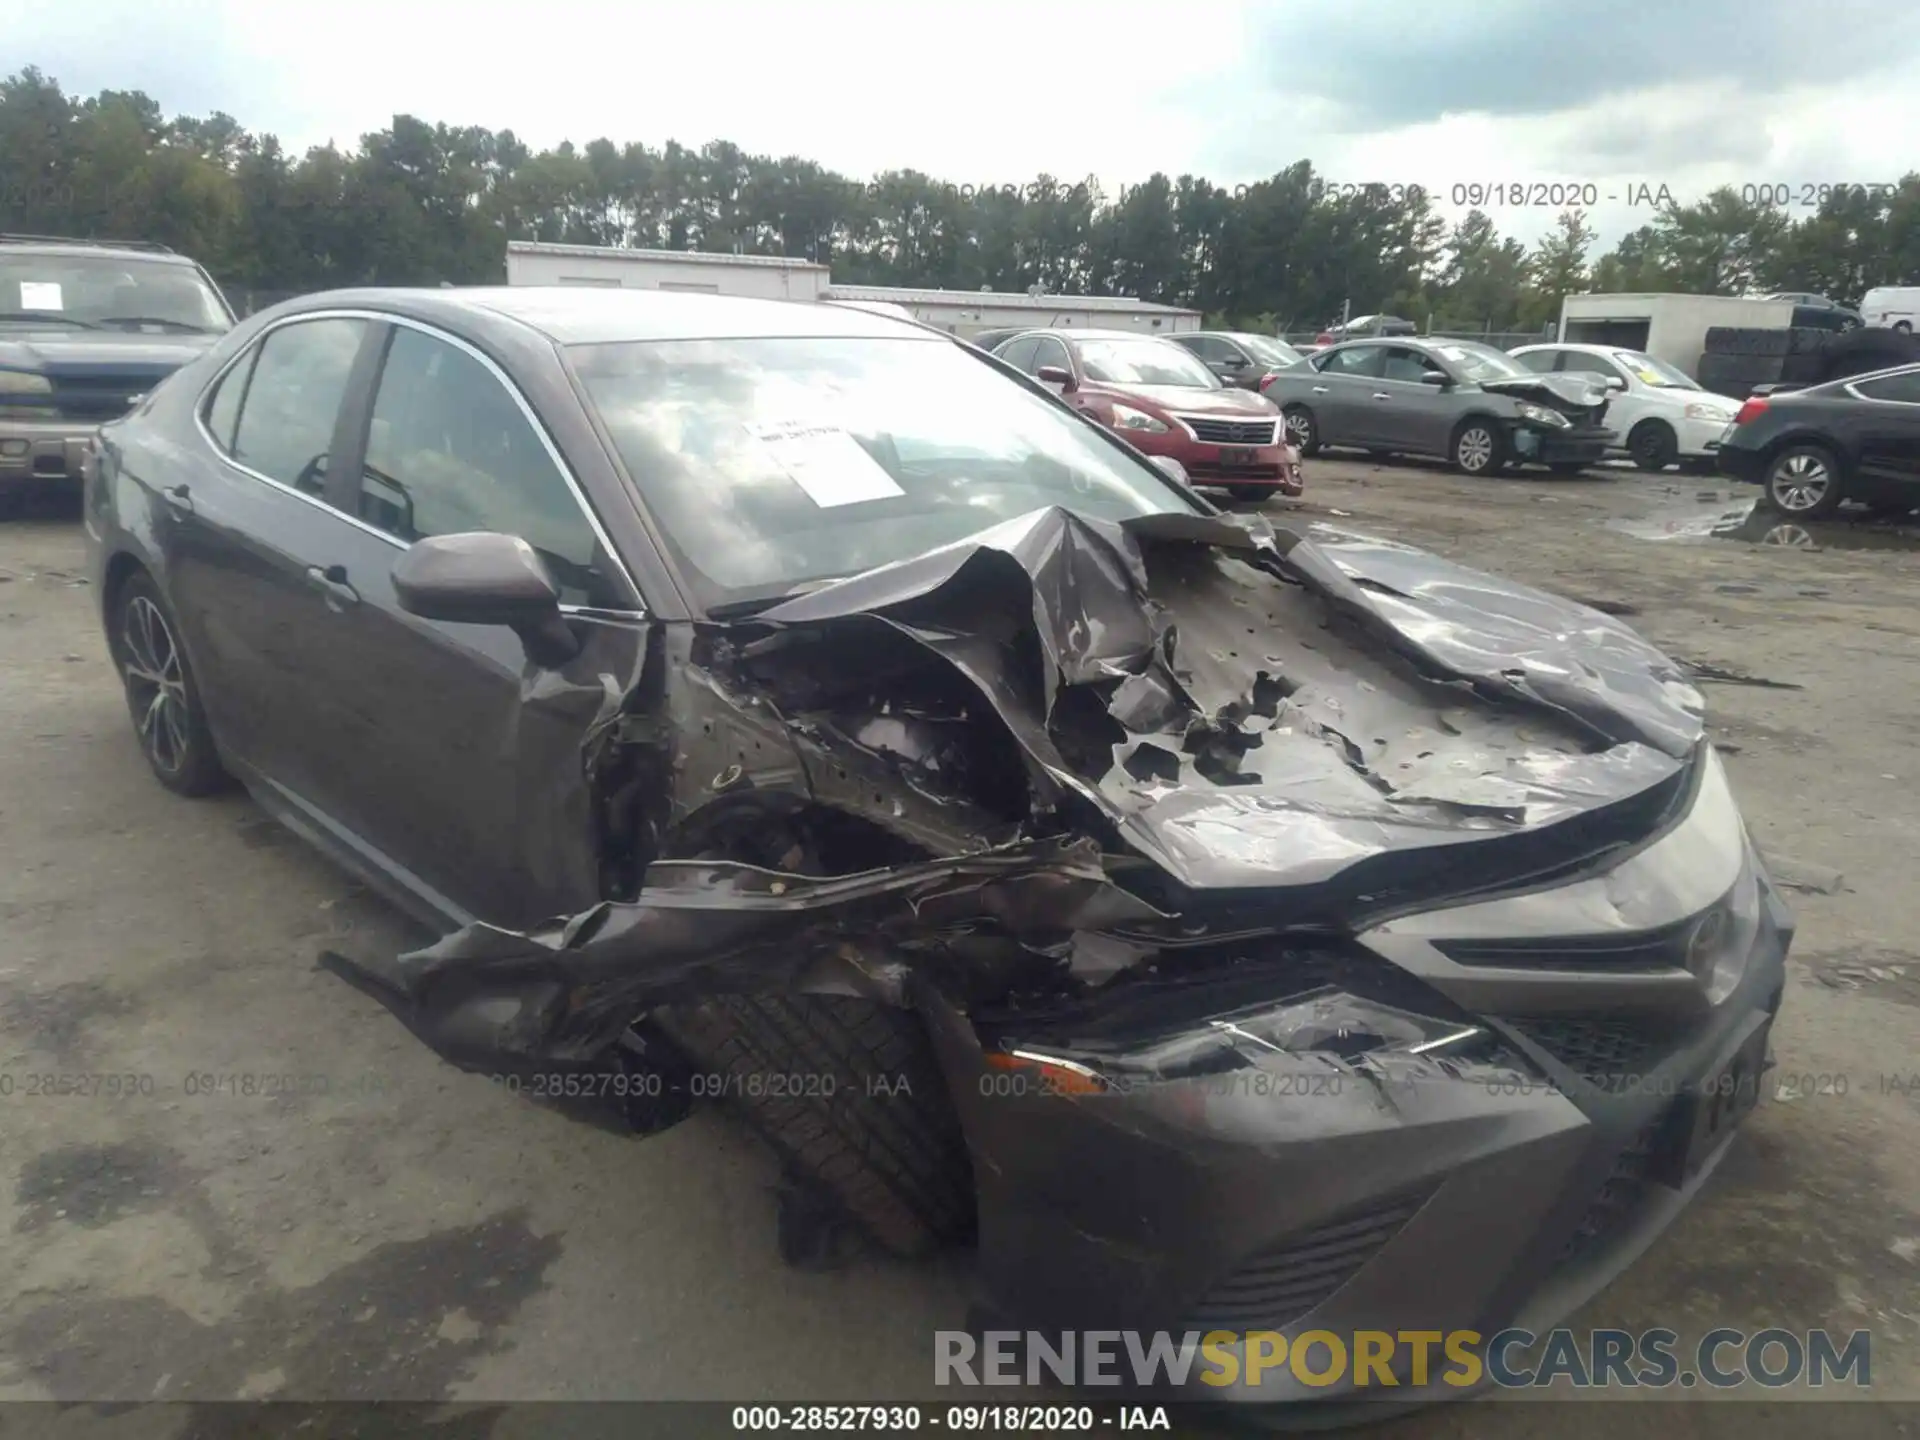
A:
(60, 352)
(1271, 709)
(1554, 390)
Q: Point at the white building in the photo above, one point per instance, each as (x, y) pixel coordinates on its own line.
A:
(772, 277)
(761, 277)
(1669, 327)
(967, 312)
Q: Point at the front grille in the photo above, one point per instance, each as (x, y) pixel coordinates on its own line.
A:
(97, 398)
(1233, 472)
(1602, 1050)
(1230, 432)
(1619, 1197)
(1279, 1285)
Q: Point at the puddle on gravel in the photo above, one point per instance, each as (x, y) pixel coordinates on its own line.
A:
(1710, 517)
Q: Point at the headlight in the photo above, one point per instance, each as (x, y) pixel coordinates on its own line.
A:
(19, 382)
(1708, 412)
(1125, 417)
(1326, 1021)
(1541, 415)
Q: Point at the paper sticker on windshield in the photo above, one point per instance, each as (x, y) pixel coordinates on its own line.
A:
(40, 295)
(826, 462)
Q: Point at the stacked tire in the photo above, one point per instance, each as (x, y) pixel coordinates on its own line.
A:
(1740, 358)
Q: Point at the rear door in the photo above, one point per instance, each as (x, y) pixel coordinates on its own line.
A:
(249, 533)
(465, 761)
(1406, 412)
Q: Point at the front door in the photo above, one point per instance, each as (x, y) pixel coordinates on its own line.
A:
(467, 761)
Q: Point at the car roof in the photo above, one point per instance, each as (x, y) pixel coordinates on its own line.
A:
(1076, 333)
(582, 315)
(96, 252)
(1582, 347)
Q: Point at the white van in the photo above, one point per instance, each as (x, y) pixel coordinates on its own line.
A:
(1895, 306)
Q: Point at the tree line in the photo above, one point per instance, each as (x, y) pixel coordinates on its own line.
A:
(421, 203)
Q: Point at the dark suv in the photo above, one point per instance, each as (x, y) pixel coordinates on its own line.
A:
(87, 328)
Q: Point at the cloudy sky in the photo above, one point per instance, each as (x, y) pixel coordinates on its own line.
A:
(1613, 96)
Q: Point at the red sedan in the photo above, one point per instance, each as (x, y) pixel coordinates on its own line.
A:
(1165, 402)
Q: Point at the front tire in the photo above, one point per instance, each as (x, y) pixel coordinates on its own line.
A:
(1653, 445)
(1804, 481)
(1302, 429)
(162, 696)
(862, 1110)
(1478, 447)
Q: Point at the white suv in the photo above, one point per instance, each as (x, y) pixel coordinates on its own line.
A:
(1661, 414)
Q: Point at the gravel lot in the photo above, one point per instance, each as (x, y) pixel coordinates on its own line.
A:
(416, 1233)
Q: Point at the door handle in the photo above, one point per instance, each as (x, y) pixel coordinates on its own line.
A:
(332, 584)
(1319, 389)
(178, 497)
(1381, 395)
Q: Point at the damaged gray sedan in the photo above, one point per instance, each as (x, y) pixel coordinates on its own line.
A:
(1221, 927)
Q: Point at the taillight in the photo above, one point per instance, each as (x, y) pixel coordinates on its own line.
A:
(1750, 411)
(1325, 337)
(1266, 380)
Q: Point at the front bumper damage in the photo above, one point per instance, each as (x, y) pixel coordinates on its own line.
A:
(1224, 768)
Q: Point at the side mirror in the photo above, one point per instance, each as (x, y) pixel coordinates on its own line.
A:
(486, 579)
(1616, 382)
(1054, 375)
(1436, 379)
(1235, 362)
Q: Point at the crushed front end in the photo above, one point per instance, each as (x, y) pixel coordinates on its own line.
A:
(1312, 934)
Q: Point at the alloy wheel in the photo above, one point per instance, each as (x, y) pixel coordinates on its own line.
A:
(1475, 450)
(1800, 483)
(1300, 429)
(1796, 537)
(156, 687)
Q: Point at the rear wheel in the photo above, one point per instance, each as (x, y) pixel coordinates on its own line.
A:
(1478, 447)
(1653, 445)
(1302, 430)
(1804, 481)
(1903, 327)
(161, 694)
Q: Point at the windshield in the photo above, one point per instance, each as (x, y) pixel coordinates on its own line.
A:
(772, 464)
(1658, 373)
(114, 292)
(1481, 363)
(1269, 351)
(1145, 361)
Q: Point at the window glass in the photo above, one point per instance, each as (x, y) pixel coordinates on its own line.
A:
(1146, 361)
(449, 451)
(299, 378)
(122, 292)
(1051, 352)
(1357, 360)
(223, 408)
(1019, 354)
(1588, 364)
(1409, 365)
(1539, 361)
(1480, 363)
(1657, 373)
(1903, 387)
(1206, 347)
(773, 464)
